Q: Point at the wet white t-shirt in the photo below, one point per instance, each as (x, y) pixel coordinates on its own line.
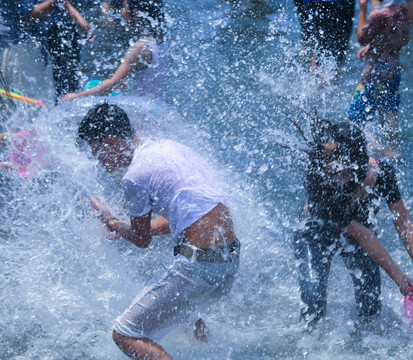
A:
(171, 180)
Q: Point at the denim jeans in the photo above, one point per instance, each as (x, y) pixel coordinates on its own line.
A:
(315, 245)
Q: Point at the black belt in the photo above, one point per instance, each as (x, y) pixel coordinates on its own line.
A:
(216, 255)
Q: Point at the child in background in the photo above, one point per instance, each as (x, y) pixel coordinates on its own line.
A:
(382, 36)
(148, 54)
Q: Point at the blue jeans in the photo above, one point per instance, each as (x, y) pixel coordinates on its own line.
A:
(314, 247)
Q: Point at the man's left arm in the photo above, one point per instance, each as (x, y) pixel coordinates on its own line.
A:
(403, 224)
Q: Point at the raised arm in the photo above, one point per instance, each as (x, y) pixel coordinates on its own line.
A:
(137, 56)
(373, 247)
(403, 225)
(41, 10)
(138, 231)
(80, 21)
(361, 35)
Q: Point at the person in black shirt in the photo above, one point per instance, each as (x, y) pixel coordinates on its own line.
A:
(344, 187)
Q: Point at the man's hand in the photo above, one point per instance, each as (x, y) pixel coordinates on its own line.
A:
(103, 212)
(68, 97)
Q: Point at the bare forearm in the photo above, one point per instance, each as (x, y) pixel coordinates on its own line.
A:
(405, 232)
(403, 225)
(373, 247)
(160, 226)
(124, 229)
(116, 81)
(40, 11)
(77, 17)
(104, 88)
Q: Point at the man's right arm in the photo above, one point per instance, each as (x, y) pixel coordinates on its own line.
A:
(138, 231)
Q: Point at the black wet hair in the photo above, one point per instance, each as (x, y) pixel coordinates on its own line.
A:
(151, 14)
(351, 144)
(328, 199)
(105, 120)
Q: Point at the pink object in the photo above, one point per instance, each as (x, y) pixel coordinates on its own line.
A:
(20, 155)
(408, 306)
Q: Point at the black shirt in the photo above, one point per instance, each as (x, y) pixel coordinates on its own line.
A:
(330, 203)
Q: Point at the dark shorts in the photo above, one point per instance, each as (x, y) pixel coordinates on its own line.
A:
(370, 97)
(327, 25)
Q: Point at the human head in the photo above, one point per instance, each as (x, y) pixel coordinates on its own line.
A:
(105, 120)
(340, 150)
(148, 16)
(107, 129)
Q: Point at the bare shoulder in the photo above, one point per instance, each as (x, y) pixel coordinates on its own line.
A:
(389, 19)
(399, 11)
(139, 52)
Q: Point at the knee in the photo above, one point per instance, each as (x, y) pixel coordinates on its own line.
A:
(118, 338)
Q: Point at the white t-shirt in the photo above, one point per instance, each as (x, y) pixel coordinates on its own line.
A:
(173, 181)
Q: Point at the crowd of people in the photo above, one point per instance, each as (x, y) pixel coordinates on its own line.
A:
(171, 190)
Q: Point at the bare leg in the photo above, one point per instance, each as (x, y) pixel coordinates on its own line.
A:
(140, 349)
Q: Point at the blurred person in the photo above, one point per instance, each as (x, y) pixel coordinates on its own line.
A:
(148, 55)
(345, 187)
(111, 9)
(382, 36)
(26, 152)
(55, 24)
(167, 178)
